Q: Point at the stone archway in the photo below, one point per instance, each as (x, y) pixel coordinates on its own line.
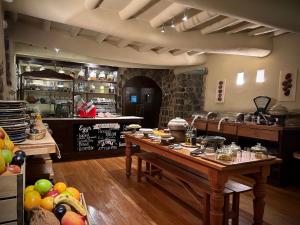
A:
(142, 97)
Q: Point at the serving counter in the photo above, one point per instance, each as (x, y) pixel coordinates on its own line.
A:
(83, 138)
(280, 141)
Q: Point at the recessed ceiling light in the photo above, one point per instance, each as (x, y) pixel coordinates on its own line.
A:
(61, 71)
(28, 69)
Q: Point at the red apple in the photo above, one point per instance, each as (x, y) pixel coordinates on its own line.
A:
(2, 134)
(72, 218)
(14, 169)
(52, 193)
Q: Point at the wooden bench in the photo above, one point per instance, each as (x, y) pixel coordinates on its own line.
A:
(296, 155)
(197, 186)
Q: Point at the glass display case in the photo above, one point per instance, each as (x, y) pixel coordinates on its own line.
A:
(51, 96)
(50, 86)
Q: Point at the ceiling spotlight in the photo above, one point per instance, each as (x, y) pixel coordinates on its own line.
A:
(61, 71)
(173, 23)
(185, 15)
(57, 50)
(162, 29)
(28, 69)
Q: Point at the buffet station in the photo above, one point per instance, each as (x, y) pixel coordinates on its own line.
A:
(204, 166)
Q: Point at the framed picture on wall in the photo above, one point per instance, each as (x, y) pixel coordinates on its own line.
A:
(220, 91)
(287, 85)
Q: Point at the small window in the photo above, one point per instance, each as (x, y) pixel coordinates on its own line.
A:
(260, 76)
(240, 78)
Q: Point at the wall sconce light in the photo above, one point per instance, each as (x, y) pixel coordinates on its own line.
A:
(162, 29)
(240, 79)
(260, 76)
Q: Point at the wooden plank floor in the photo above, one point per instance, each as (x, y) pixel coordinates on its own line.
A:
(113, 199)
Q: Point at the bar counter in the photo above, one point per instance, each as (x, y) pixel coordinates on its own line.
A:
(86, 138)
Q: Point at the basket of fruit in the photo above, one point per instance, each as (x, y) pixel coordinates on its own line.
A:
(56, 204)
(12, 171)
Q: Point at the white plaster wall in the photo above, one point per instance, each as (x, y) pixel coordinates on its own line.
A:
(286, 55)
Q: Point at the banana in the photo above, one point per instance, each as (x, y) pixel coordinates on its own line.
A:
(70, 200)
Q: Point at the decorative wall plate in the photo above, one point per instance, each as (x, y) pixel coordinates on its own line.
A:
(287, 85)
(220, 91)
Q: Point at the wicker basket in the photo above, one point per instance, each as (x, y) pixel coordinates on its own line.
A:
(38, 136)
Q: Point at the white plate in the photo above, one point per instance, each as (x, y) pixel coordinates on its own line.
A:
(146, 130)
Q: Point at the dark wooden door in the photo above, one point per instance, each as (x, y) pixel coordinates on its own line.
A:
(142, 97)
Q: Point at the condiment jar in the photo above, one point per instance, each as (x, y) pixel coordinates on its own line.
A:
(177, 128)
(225, 154)
(234, 148)
(259, 150)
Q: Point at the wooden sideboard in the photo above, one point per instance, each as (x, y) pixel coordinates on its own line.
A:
(280, 141)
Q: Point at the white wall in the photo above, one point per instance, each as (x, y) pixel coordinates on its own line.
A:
(286, 55)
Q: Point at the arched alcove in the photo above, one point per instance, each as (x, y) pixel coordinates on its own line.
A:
(142, 97)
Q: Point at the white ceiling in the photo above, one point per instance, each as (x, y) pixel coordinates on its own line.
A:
(130, 30)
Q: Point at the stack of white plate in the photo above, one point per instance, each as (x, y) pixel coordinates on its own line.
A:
(12, 119)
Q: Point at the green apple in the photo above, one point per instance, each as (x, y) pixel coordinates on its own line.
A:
(42, 186)
(7, 155)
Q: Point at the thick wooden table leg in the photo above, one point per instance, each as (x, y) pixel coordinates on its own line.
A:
(128, 153)
(259, 191)
(217, 182)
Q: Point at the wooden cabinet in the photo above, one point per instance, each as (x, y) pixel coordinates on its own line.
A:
(11, 197)
(280, 141)
(264, 134)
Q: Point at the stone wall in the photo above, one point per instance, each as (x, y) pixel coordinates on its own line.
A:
(126, 74)
(182, 94)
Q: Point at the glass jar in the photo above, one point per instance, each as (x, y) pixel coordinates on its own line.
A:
(234, 148)
(259, 150)
(111, 89)
(225, 153)
(188, 137)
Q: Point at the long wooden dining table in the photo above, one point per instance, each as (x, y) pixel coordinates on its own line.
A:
(217, 172)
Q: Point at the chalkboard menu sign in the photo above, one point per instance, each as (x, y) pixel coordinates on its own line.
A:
(89, 137)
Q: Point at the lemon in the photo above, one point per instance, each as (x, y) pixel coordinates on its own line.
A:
(29, 188)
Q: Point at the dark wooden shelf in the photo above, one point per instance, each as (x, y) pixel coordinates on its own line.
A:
(97, 93)
(100, 81)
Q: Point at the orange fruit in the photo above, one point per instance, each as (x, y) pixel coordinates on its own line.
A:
(60, 187)
(9, 144)
(32, 199)
(74, 192)
(29, 188)
(48, 203)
